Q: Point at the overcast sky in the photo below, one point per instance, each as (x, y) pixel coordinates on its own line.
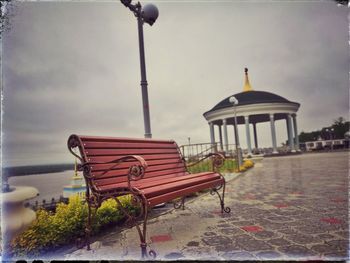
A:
(73, 67)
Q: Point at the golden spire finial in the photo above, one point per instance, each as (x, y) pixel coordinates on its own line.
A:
(247, 86)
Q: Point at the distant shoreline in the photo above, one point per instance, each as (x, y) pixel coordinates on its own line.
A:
(36, 169)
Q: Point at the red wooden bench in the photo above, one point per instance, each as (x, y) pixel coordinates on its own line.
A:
(152, 171)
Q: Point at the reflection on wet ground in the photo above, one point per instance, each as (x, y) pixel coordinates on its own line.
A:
(289, 208)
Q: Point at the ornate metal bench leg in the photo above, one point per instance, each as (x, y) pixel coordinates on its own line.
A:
(223, 208)
(141, 200)
(142, 234)
(222, 203)
(180, 204)
(92, 202)
(88, 228)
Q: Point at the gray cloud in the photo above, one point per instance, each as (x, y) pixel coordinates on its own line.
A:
(73, 67)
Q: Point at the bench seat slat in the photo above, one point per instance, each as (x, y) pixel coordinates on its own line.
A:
(128, 145)
(118, 180)
(96, 159)
(118, 152)
(154, 181)
(183, 192)
(85, 138)
(127, 164)
(111, 180)
(149, 170)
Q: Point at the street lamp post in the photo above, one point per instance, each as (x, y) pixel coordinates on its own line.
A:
(149, 14)
(331, 130)
(234, 102)
(330, 136)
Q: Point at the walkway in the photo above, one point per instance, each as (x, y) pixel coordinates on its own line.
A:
(285, 208)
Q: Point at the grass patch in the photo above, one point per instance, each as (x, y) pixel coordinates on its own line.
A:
(206, 166)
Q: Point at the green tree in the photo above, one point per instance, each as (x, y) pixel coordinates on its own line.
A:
(340, 127)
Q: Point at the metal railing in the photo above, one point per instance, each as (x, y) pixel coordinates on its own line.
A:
(194, 152)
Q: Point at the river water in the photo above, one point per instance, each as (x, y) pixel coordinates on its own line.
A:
(49, 185)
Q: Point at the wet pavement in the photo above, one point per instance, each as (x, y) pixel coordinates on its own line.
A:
(285, 208)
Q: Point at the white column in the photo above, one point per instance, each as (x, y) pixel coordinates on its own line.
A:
(224, 121)
(212, 135)
(297, 147)
(220, 137)
(290, 133)
(247, 131)
(273, 134)
(255, 136)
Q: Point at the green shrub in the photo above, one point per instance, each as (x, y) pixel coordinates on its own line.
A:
(51, 230)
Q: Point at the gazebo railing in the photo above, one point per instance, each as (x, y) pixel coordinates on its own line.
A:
(195, 152)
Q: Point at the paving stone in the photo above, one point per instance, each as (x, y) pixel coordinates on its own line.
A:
(281, 219)
(224, 247)
(160, 238)
(216, 240)
(337, 256)
(339, 244)
(252, 229)
(268, 255)
(238, 256)
(193, 244)
(311, 230)
(323, 248)
(197, 252)
(279, 242)
(231, 231)
(265, 235)
(207, 215)
(272, 225)
(287, 231)
(209, 234)
(242, 223)
(343, 234)
(296, 251)
(253, 245)
(325, 236)
(302, 239)
(174, 255)
(224, 225)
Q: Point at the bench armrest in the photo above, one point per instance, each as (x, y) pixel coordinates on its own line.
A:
(135, 171)
(218, 160)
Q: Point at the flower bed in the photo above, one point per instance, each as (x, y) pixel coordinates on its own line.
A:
(246, 165)
(66, 225)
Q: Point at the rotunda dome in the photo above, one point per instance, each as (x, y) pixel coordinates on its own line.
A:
(250, 96)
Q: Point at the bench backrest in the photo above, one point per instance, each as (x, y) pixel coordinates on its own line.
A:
(162, 156)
